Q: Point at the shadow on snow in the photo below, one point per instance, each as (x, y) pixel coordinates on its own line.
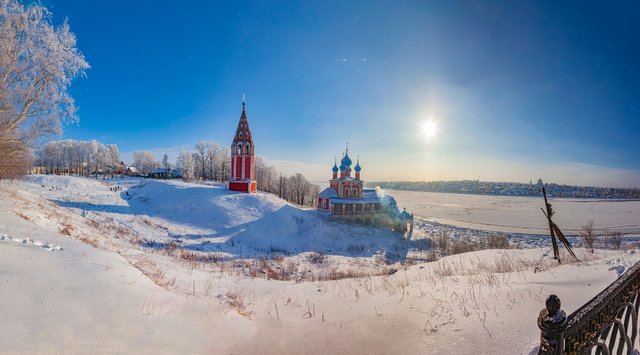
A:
(286, 230)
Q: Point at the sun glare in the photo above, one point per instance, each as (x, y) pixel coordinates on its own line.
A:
(429, 129)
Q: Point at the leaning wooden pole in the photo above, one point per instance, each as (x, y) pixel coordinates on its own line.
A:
(556, 253)
(555, 230)
(564, 240)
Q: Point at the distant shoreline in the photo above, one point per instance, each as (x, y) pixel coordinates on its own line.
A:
(577, 199)
(488, 188)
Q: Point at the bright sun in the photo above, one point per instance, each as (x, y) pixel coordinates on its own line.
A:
(429, 129)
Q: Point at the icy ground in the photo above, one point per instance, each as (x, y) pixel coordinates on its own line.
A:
(179, 269)
(519, 214)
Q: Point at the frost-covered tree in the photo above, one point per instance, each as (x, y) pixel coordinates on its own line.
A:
(211, 161)
(187, 164)
(165, 161)
(201, 160)
(213, 153)
(77, 157)
(266, 176)
(37, 64)
(144, 161)
(224, 162)
(299, 188)
(113, 158)
(93, 157)
(588, 235)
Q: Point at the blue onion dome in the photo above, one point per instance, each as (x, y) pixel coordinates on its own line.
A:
(358, 168)
(346, 160)
(335, 168)
(342, 167)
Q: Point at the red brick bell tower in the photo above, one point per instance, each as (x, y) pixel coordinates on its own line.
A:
(242, 158)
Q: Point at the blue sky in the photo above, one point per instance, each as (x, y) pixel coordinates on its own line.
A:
(518, 91)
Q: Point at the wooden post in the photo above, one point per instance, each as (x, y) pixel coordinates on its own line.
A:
(552, 322)
(556, 253)
(555, 230)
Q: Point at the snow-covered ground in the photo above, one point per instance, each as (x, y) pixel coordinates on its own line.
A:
(203, 221)
(73, 298)
(182, 268)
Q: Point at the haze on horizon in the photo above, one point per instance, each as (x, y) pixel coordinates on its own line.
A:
(513, 91)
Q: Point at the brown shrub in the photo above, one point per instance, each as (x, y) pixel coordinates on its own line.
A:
(498, 242)
(277, 257)
(588, 235)
(347, 274)
(23, 216)
(316, 258)
(83, 238)
(463, 246)
(615, 239)
(236, 300)
(16, 156)
(66, 229)
(171, 248)
(194, 256)
(442, 240)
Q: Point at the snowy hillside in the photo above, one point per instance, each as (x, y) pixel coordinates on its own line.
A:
(206, 219)
(211, 218)
(251, 273)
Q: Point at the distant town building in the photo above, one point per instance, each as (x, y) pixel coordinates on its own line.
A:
(242, 158)
(161, 173)
(131, 171)
(346, 199)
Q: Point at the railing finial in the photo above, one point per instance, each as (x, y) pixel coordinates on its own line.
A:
(552, 322)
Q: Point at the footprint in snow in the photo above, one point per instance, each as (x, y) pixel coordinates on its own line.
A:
(29, 241)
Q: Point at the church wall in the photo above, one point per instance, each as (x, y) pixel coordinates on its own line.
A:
(248, 173)
(238, 164)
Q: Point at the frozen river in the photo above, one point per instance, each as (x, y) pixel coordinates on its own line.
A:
(515, 214)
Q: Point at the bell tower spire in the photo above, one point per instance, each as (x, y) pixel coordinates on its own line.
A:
(242, 157)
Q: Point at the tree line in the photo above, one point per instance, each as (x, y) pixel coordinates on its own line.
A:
(510, 189)
(209, 161)
(82, 158)
(295, 188)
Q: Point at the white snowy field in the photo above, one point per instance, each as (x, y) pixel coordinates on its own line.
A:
(141, 290)
(72, 298)
(518, 214)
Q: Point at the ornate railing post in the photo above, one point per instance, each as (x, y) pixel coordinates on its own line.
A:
(552, 322)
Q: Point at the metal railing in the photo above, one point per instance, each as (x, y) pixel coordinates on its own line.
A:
(607, 324)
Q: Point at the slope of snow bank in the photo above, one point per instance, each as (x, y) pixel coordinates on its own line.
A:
(78, 298)
(211, 218)
(83, 297)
